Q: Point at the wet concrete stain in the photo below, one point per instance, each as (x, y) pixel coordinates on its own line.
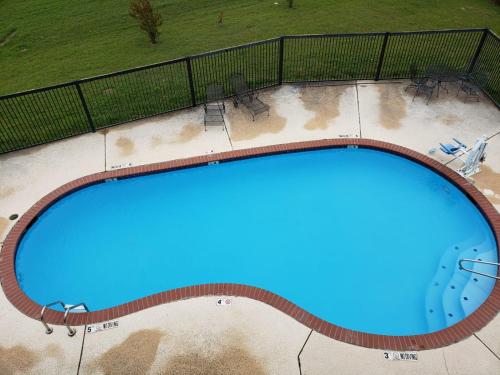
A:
(242, 128)
(103, 131)
(135, 355)
(449, 119)
(230, 361)
(17, 359)
(156, 140)
(54, 351)
(488, 179)
(188, 132)
(4, 224)
(125, 145)
(392, 106)
(6, 191)
(232, 358)
(324, 102)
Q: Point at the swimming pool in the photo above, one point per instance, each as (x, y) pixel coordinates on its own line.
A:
(360, 238)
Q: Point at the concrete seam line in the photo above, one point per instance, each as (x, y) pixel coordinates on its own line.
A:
(228, 136)
(81, 351)
(493, 135)
(445, 364)
(301, 350)
(359, 113)
(487, 347)
(105, 145)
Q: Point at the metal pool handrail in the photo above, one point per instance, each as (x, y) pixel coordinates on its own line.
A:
(49, 330)
(72, 331)
(67, 309)
(478, 261)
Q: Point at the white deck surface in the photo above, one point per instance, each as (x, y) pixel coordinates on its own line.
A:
(195, 336)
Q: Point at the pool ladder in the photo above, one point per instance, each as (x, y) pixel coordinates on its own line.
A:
(478, 261)
(67, 309)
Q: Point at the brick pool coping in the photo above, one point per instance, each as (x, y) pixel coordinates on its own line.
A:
(472, 323)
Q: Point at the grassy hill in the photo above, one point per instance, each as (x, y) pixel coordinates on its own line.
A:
(51, 41)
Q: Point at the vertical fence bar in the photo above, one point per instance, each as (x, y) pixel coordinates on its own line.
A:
(280, 62)
(478, 51)
(381, 58)
(191, 83)
(85, 108)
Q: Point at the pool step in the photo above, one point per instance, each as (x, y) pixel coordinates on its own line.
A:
(453, 293)
(478, 287)
(435, 309)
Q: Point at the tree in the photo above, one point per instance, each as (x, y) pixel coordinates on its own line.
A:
(149, 19)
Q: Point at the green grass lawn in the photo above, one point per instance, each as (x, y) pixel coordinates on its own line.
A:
(62, 40)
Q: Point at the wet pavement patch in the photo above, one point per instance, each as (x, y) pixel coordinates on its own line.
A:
(242, 127)
(233, 360)
(188, 132)
(17, 360)
(6, 191)
(135, 355)
(125, 145)
(392, 106)
(449, 119)
(324, 102)
(4, 223)
(488, 181)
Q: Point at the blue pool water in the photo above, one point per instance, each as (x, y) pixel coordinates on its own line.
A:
(361, 238)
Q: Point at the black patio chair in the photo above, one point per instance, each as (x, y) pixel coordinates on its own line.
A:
(426, 88)
(415, 79)
(470, 90)
(473, 84)
(480, 79)
(214, 106)
(245, 96)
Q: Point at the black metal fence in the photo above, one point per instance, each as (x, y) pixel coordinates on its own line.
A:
(43, 115)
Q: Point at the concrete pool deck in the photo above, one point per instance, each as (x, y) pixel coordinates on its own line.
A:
(197, 336)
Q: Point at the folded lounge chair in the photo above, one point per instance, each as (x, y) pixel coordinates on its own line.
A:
(214, 106)
(243, 95)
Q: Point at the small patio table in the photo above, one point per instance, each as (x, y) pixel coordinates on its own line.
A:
(443, 74)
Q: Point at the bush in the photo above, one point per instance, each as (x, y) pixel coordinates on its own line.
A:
(149, 19)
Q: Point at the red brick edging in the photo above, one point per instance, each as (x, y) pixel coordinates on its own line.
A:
(472, 323)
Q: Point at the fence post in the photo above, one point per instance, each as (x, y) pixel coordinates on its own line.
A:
(381, 58)
(191, 83)
(280, 64)
(85, 108)
(478, 51)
